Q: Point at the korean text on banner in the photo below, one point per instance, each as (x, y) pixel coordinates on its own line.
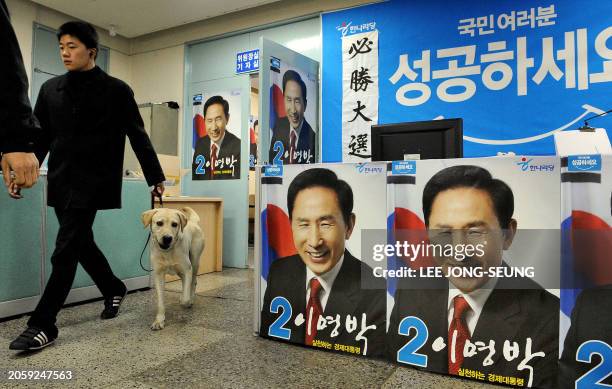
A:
(360, 94)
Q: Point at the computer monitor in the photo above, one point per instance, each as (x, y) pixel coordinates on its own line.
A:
(431, 139)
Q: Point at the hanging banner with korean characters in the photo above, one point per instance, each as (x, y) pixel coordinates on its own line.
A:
(360, 94)
(515, 72)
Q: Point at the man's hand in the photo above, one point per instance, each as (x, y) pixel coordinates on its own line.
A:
(14, 191)
(158, 190)
(25, 166)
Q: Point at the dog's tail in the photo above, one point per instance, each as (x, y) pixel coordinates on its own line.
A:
(191, 214)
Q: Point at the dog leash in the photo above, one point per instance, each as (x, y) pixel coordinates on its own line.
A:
(161, 202)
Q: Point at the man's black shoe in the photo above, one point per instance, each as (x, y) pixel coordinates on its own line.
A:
(112, 304)
(33, 339)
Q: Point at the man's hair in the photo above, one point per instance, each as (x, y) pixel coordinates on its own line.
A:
(84, 31)
(292, 75)
(324, 178)
(217, 100)
(466, 176)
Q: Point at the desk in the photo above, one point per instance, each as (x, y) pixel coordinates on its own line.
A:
(210, 210)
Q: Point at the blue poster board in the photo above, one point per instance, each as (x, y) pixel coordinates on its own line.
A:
(516, 72)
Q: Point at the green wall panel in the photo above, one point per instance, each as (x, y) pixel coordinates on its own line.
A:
(21, 243)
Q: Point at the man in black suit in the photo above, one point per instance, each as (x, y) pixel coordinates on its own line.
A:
(465, 205)
(591, 322)
(216, 155)
(324, 283)
(293, 131)
(85, 116)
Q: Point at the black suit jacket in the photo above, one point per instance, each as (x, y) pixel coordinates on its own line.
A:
(508, 314)
(305, 144)
(230, 151)
(85, 117)
(591, 320)
(18, 127)
(287, 278)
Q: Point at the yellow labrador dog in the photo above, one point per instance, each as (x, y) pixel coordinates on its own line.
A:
(176, 245)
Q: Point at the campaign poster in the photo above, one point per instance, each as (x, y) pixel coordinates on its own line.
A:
(216, 135)
(473, 268)
(586, 290)
(316, 288)
(293, 114)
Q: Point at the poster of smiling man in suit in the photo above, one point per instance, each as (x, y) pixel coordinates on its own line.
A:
(328, 296)
(479, 316)
(217, 145)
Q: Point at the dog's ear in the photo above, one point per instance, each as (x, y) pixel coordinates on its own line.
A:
(147, 216)
(183, 219)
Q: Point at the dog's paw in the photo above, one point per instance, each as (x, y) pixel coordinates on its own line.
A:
(187, 304)
(157, 325)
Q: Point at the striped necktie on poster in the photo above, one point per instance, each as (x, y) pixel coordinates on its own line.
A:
(313, 310)
(458, 333)
(213, 160)
(292, 140)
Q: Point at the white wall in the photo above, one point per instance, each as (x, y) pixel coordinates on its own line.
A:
(157, 76)
(22, 15)
(253, 18)
(120, 66)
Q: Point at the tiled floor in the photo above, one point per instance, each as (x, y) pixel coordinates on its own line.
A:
(210, 345)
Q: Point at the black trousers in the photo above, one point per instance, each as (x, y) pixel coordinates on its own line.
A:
(74, 244)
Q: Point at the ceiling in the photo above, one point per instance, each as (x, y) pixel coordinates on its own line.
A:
(132, 18)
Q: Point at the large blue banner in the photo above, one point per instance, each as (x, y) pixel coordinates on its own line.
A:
(516, 72)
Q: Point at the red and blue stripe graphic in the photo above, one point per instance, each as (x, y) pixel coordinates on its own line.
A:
(276, 236)
(277, 106)
(585, 256)
(199, 128)
(404, 225)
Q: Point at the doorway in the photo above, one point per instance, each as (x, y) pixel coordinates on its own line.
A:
(253, 160)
